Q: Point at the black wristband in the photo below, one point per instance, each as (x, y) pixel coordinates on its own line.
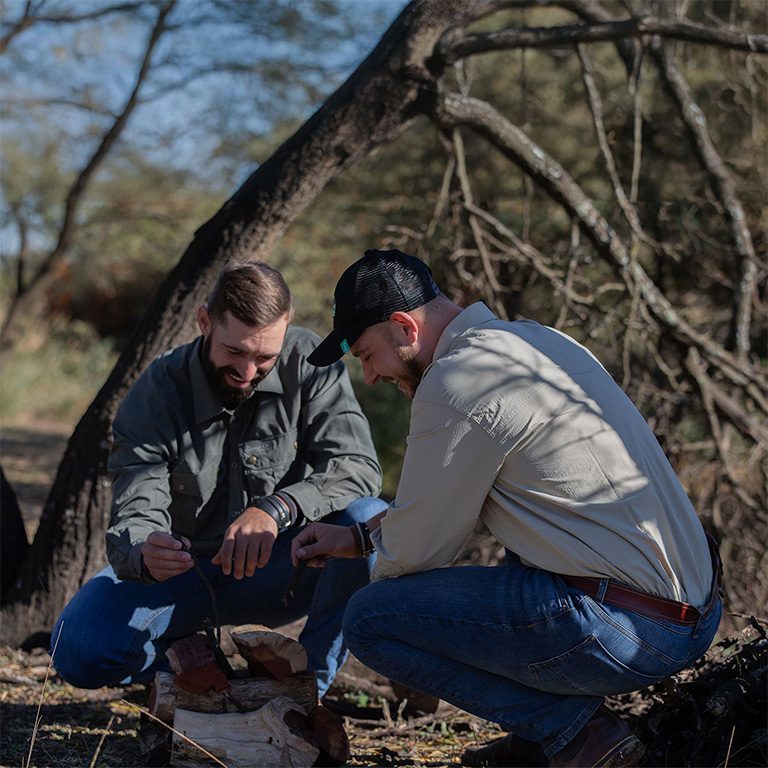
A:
(366, 545)
(276, 508)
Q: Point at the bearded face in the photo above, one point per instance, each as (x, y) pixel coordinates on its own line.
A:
(219, 377)
(236, 356)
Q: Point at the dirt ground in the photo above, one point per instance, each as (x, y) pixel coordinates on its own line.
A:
(712, 715)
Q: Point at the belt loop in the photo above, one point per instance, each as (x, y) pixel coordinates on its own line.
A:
(601, 589)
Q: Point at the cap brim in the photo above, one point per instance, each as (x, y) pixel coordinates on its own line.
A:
(333, 347)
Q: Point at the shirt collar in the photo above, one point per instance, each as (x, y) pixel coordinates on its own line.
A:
(207, 404)
(475, 314)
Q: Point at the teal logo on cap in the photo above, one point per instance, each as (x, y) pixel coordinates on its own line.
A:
(344, 346)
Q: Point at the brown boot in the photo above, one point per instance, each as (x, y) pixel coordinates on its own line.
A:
(509, 751)
(604, 742)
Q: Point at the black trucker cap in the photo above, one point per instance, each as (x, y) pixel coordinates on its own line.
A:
(368, 292)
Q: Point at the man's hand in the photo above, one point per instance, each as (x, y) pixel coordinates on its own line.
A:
(247, 543)
(319, 541)
(164, 557)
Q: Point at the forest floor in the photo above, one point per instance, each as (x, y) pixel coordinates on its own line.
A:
(711, 715)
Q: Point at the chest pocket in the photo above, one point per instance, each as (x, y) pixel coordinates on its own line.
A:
(267, 461)
(189, 494)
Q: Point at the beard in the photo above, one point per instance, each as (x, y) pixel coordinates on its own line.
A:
(412, 375)
(229, 396)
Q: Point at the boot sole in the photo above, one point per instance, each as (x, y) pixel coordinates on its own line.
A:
(625, 755)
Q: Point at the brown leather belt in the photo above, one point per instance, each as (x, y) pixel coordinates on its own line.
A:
(633, 600)
(622, 596)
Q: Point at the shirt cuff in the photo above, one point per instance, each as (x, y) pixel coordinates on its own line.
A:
(312, 504)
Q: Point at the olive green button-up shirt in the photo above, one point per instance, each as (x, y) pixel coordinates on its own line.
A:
(182, 463)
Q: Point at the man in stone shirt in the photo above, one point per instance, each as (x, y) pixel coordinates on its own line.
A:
(609, 585)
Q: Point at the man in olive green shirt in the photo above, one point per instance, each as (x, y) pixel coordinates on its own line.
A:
(224, 446)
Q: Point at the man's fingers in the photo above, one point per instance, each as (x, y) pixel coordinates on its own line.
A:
(265, 552)
(225, 555)
(238, 562)
(165, 540)
(167, 555)
(310, 551)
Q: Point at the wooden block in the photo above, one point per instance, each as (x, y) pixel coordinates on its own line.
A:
(245, 740)
(189, 653)
(250, 693)
(203, 679)
(329, 735)
(268, 652)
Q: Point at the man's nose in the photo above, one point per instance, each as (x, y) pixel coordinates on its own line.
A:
(369, 375)
(248, 370)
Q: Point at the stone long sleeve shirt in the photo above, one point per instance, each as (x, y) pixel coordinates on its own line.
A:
(518, 425)
(182, 463)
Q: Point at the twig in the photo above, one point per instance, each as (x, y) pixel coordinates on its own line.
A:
(42, 694)
(730, 744)
(173, 730)
(461, 171)
(101, 741)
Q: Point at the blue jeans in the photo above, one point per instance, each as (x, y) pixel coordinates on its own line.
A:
(516, 645)
(116, 632)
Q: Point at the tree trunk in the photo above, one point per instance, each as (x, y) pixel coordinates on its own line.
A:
(13, 536)
(369, 109)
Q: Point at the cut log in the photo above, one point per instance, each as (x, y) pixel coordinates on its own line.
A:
(189, 653)
(248, 740)
(268, 652)
(250, 694)
(329, 735)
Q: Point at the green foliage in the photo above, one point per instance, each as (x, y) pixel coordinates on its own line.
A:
(58, 379)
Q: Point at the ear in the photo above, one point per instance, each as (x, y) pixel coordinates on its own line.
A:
(203, 320)
(404, 327)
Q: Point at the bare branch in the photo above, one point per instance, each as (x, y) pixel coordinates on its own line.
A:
(531, 255)
(452, 110)
(45, 273)
(572, 34)
(30, 17)
(596, 107)
(725, 187)
(466, 191)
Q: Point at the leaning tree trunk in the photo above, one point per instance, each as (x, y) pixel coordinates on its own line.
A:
(370, 108)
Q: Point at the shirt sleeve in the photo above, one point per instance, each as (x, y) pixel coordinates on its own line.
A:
(336, 438)
(139, 464)
(450, 465)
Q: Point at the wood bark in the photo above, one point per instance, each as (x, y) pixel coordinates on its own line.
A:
(375, 103)
(13, 536)
(249, 693)
(572, 34)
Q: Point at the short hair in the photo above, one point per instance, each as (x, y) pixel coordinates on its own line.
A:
(253, 292)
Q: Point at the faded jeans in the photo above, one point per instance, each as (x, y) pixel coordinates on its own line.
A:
(116, 632)
(515, 645)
